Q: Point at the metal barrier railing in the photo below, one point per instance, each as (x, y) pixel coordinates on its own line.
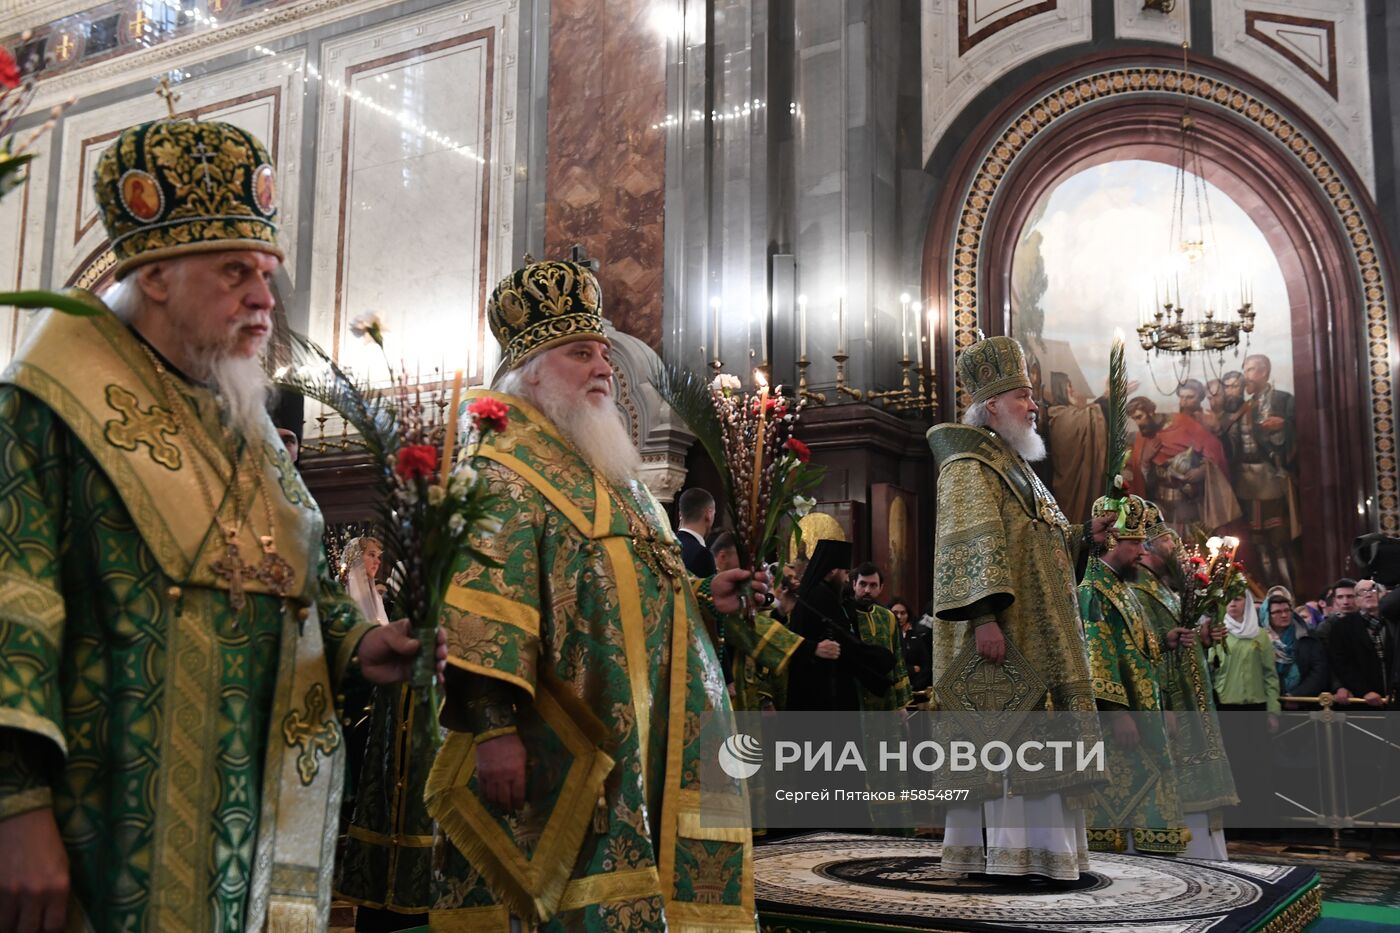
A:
(1332, 727)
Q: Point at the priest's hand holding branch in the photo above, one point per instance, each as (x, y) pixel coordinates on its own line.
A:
(387, 653)
(33, 873)
(726, 588)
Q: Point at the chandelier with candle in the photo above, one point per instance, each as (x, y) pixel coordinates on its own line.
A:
(1173, 327)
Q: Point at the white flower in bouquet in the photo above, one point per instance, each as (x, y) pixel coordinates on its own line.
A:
(455, 525)
(436, 494)
(725, 382)
(369, 326)
(802, 505)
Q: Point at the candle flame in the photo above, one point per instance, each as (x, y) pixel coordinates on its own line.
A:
(759, 379)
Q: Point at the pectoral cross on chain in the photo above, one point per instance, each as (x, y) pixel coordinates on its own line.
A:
(231, 568)
(312, 732)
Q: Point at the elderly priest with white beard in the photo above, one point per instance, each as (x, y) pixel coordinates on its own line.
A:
(579, 668)
(1006, 618)
(170, 639)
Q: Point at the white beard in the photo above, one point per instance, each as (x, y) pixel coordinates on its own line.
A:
(1022, 437)
(242, 386)
(597, 431)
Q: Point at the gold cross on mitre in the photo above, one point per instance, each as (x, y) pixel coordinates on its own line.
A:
(166, 93)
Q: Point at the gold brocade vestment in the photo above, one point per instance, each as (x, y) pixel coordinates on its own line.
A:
(185, 739)
(1005, 552)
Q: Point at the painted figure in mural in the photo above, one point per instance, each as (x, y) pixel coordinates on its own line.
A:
(1204, 781)
(1139, 808)
(1180, 462)
(1004, 578)
(582, 657)
(170, 637)
(1265, 477)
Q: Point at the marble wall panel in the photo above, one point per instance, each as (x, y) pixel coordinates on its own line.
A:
(264, 98)
(413, 187)
(1131, 21)
(1346, 118)
(954, 72)
(606, 174)
(21, 246)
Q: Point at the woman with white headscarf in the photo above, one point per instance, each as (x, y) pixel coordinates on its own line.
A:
(360, 565)
(1246, 693)
(1245, 677)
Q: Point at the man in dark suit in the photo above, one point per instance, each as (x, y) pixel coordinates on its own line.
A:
(1364, 650)
(696, 511)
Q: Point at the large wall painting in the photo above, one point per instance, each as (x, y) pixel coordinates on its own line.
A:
(1213, 435)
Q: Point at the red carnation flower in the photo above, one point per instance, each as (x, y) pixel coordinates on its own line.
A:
(1198, 561)
(417, 460)
(775, 405)
(801, 451)
(1202, 579)
(489, 414)
(9, 71)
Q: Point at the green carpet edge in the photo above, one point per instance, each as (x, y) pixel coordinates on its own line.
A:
(1345, 910)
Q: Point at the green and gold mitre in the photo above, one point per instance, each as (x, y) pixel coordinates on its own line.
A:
(1132, 516)
(1155, 524)
(992, 366)
(182, 186)
(543, 305)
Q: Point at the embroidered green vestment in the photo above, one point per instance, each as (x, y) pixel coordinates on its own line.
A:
(1198, 749)
(611, 670)
(761, 654)
(1125, 658)
(189, 749)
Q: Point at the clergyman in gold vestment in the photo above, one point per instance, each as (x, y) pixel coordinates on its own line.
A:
(1004, 562)
(170, 756)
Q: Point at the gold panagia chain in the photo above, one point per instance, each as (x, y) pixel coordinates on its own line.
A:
(273, 570)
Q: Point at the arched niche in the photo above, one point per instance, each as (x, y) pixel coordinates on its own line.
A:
(1274, 163)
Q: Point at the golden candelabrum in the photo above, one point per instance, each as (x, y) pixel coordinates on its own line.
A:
(1170, 330)
(907, 398)
(812, 398)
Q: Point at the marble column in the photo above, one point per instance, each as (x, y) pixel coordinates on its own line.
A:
(606, 163)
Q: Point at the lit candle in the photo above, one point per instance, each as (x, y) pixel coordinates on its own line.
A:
(802, 323)
(840, 321)
(904, 323)
(918, 334)
(714, 305)
(449, 434)
(755, 522)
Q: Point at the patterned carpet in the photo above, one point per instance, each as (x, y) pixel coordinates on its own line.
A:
(1354, 880)
(829, 882)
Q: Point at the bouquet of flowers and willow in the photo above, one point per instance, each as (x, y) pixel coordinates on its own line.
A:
(767, 474)
(429, 498)
(1212, 579)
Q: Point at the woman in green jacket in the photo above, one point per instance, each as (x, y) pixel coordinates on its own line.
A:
(1245, 677)
(1246, 686)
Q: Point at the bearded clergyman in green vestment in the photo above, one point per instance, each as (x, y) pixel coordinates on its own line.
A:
(1203, 778)
(170, 640)
(579, 670)
(1138, 809)
(1003, 601)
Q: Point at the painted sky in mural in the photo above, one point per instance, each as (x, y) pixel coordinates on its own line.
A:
(1104, 236)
